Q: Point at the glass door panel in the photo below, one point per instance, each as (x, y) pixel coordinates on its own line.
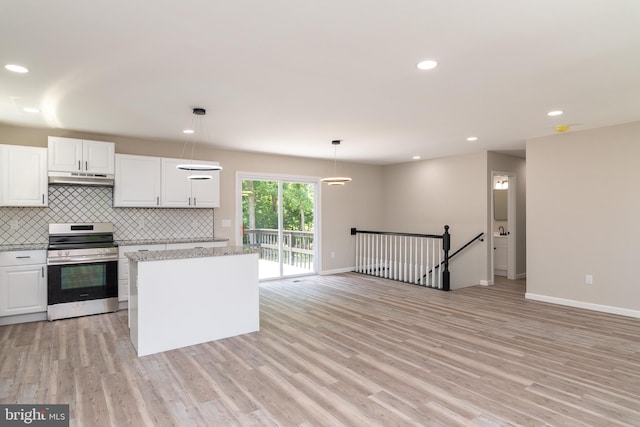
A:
(298, 228)
(278, 218)
(260, 221)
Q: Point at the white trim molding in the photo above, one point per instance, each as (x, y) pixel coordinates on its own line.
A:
(586, 305)
(337, 271)
(486, 282)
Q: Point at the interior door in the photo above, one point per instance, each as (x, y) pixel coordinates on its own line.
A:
(278, 217)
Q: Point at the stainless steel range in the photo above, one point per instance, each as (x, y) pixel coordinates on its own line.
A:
(82, 268)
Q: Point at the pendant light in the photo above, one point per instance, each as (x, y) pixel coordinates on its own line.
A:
(335, 179)
(197, 123)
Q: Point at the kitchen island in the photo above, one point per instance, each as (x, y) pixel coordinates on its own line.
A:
(183, 297)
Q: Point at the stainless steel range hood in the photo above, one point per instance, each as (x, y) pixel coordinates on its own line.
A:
(78, 178)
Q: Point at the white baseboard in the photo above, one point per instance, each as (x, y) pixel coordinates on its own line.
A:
(486, 282)
(586, 305)
(521, 276)
(337, 271)
(23, 318)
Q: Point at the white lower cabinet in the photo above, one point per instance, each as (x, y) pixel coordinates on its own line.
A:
(123, 266)
(500, 256)
(23, 282)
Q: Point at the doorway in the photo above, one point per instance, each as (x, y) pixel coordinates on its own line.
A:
(503, 224)
(278, 219)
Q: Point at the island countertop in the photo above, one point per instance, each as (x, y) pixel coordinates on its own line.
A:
(171, 254)
(122, 242)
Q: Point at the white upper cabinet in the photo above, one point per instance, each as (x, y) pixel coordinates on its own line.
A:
(179, 192)
(23, 176)
(137, 181)
(176, 188)
(81, 155)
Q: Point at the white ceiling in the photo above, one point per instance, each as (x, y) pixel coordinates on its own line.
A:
(289, 76)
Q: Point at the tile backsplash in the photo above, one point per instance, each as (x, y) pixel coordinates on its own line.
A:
(69, 203)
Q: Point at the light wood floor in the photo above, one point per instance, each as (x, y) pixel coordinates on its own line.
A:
(345, 350)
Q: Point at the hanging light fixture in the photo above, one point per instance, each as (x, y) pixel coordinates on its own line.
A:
(335, 179)
(197, 123)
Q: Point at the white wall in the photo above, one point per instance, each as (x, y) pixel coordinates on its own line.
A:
(423, 196)
(583, 210)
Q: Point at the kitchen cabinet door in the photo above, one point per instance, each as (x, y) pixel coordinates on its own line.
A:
(206, 193)
(179, 191)
(176, 188)
(78, 155)
(23, 289)
(65, 154)
(137, 181)
(123, 266)
(23, 176)
(98, 157)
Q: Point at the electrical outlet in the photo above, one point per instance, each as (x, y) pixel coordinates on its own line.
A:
(589, 279)
(225, 223)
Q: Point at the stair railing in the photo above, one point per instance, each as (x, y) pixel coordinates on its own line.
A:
(405, 257)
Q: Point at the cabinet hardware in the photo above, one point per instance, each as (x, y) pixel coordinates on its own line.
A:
(43, 198)
(23, 257)
(194, 201)
(143, 250)
(158, 200)
(79, 167)
(42, 271)
(189, 201)
(86, 165)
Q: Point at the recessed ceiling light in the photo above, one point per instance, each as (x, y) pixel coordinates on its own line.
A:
(31, 110)
(416, 157)
(472, 138)
(16, 68)
(428, 64)
(188, 131)
(555, 113)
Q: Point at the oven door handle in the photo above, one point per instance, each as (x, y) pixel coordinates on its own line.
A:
(82, 260)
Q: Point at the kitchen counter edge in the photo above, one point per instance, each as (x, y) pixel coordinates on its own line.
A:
(24, 247)
(173, 254)
(167, 241)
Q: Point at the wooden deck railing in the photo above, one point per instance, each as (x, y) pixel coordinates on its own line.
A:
(297, 246)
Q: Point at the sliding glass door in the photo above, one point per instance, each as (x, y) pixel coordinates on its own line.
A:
(278, 219)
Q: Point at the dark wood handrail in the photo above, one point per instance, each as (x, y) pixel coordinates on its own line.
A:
(478, 237)
(394, 233)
